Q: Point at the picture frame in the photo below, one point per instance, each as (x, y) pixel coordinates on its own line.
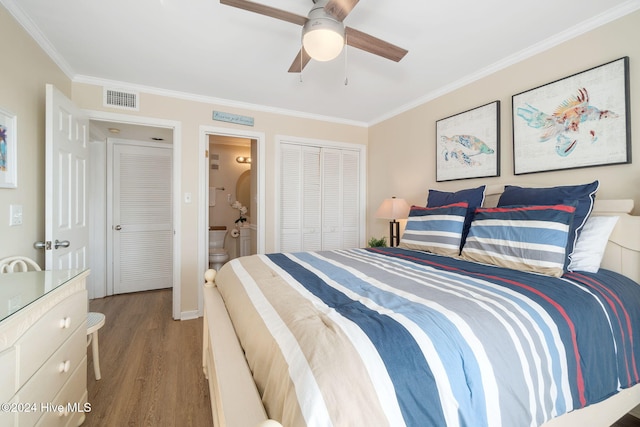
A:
(8, 150)
(582, 120)
(468, 144)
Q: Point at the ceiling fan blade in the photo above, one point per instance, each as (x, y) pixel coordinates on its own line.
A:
(374, 45)
(339, 9)
(297, 65)
(266, 10)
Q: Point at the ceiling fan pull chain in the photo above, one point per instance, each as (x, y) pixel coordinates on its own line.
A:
(346, 78)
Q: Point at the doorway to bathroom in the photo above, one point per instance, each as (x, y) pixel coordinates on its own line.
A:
(225, 165)
(232, 198)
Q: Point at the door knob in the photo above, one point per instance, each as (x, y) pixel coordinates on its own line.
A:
(46, 245)
(61, 244)
(118, 227)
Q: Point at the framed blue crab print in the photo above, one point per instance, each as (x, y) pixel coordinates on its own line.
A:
(582, 120)
(468, 144)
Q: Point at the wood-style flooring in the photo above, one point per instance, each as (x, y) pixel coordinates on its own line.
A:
(151, 365)
(627, 421)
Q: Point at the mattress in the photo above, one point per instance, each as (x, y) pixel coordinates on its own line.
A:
(390, 336)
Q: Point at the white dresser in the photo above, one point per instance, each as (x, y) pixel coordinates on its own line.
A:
(43, 348)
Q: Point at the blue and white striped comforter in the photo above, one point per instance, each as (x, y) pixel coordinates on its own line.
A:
(398, 337)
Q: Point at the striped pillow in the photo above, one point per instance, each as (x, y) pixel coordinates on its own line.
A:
(437, 230)
(527, 238)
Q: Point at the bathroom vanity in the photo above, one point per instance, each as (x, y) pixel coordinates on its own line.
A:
(43, 348)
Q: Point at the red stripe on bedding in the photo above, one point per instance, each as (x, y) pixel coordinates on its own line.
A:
(603, 290)
(563, 313)
(565, 208)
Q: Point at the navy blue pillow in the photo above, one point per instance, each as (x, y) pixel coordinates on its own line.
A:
(583, 195)
(473, 196)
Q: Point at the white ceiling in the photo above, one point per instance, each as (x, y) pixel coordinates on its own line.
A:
(200, 48)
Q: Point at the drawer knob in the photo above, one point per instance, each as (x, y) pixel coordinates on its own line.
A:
(64, 366)
(65, 323)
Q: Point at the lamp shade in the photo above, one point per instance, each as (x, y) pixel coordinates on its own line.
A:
(393, 209)
(322, 35)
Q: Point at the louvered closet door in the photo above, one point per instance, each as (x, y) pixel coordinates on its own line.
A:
(340, 198)
(319, 198)
(300, 182)
(142, 218)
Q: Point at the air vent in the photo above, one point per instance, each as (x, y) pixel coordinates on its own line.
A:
(121, 99)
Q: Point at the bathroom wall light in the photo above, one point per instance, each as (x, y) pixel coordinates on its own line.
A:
(243, 159)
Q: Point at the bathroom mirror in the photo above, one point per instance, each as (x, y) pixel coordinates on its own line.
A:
(243, 190)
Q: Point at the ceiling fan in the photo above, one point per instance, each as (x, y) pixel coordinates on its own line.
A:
(324, 20)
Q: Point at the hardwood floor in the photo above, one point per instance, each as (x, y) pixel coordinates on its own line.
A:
(151, 365)
(627, 421)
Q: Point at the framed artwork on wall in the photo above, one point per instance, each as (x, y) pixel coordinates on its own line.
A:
(579, 121)
(468, 144)
(8, 153)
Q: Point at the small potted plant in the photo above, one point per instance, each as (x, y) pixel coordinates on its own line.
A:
(374, 242)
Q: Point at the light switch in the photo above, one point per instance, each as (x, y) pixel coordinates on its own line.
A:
(15, 215)
(187, 197)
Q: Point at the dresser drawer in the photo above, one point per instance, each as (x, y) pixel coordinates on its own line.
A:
(71, 399)
(8, 380)
(54, 373)
(49, 332)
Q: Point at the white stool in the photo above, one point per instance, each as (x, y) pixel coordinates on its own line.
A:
(95, 321)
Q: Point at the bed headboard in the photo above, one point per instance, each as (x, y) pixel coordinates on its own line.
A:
(623, 250)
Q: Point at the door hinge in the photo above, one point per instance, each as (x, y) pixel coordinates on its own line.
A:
(206, 153)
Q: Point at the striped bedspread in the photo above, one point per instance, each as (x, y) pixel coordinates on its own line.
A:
(375, 337)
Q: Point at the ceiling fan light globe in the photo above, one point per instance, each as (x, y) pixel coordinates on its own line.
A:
(323, 38)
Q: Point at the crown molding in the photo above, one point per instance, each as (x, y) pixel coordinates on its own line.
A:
(211, 100)
(573, 32)
(32, 29)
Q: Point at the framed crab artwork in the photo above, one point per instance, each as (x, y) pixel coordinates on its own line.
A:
(468, 144)
(579, 121)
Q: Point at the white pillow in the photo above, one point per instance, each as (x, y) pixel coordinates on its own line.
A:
(589, 250)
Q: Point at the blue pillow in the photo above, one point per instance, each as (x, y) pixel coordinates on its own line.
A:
(583, 196)
(473, 196)
(437, 230)
(527, 238)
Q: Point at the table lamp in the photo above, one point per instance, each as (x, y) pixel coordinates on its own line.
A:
(393, 209)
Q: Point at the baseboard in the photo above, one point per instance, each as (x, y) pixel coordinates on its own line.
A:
(189, 315)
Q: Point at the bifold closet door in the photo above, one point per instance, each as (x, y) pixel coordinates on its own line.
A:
(319, 198)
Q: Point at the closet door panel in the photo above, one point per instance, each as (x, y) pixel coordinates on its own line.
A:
(350, 173)
(331, 199)
(311, 200)
(290, 198)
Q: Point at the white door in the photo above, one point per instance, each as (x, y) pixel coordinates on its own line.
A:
(66, 208)
(300, 198)
(142, 218)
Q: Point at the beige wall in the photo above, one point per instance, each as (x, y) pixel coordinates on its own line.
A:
(192, 115)
(24, 72)
(402, 148)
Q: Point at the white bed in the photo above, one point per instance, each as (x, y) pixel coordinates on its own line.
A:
(235, 398)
